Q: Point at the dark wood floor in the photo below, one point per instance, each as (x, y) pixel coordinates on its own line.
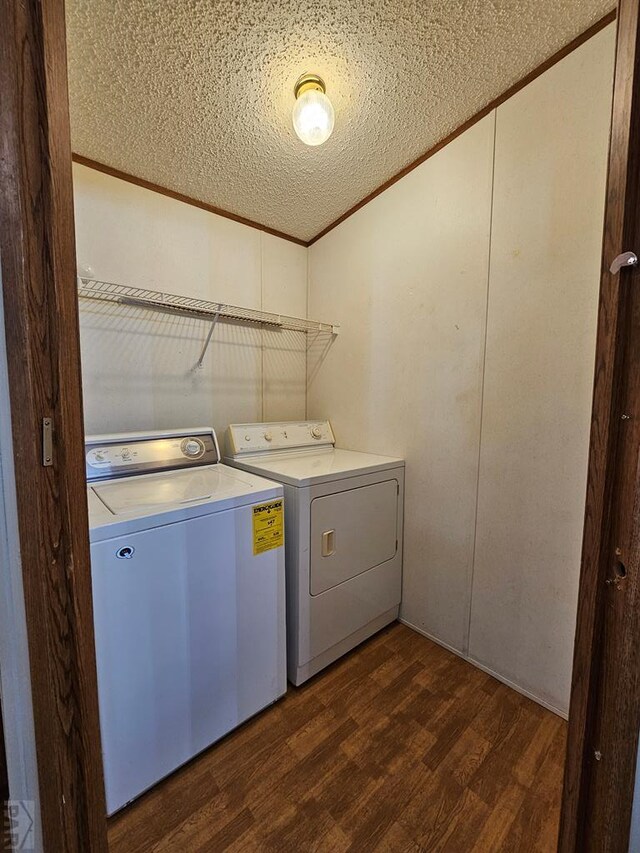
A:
(401, 746)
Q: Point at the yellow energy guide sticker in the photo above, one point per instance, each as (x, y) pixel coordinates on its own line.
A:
(268, 526)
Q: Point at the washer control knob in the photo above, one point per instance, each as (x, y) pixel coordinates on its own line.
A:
(125, 454)
(192, 447)
(97, 457)
(316, 432)
(268, 436)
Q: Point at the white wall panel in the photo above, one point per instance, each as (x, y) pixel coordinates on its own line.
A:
(138, 365)
(407, 278)
(549, 188)
(284, 291)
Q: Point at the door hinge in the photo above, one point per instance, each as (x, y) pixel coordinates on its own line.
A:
(47, 442)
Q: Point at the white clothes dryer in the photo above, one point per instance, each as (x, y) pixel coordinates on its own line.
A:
(188, 597)
(343, 548)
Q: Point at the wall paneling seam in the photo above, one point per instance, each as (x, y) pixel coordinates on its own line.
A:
(262, 330)
(467, 637)
(306, 349)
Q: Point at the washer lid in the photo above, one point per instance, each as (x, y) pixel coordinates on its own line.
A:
(170, 491)
(304, 468)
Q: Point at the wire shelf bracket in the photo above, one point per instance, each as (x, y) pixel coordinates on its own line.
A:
(207, 342)
(91, 288)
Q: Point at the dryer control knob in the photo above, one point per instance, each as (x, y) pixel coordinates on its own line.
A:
(316, 432)
(268, 436)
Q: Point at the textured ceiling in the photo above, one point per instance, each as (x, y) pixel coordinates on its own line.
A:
(196, 95)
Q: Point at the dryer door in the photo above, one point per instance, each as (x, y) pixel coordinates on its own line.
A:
(352, 531)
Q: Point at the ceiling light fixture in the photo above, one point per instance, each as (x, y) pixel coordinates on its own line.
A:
(313, 113)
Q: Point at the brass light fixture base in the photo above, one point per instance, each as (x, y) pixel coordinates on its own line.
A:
(306, 82)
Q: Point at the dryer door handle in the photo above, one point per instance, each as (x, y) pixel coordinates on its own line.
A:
(328, 543)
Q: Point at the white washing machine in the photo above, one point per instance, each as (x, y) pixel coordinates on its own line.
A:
(187, 565)
(343, 548)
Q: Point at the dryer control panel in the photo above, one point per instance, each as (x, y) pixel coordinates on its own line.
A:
(121, 455)
(243, 439)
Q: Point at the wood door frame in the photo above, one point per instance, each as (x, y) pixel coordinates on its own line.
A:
(601, 760)
(4, 773)
(37, 249)
(38, 271)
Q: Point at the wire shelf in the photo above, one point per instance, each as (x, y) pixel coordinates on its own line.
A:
(89, 288)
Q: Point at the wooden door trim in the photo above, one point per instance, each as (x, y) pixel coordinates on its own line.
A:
(37, 247)
(612, 494)
(4, 774)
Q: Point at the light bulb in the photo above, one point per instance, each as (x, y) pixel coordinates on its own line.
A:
(313, 115)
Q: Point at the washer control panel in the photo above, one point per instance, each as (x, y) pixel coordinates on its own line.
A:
(142, 453)
(262, 438)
